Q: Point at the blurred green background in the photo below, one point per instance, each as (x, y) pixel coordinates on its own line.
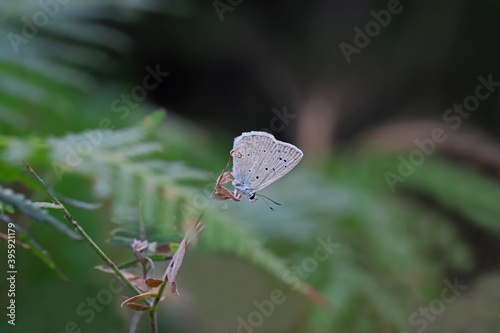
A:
(389, 101)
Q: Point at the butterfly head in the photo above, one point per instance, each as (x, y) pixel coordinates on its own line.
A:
(242, 191)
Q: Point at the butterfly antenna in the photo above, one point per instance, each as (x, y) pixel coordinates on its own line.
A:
(263, 199)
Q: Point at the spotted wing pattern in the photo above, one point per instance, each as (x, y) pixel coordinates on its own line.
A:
(259, 160)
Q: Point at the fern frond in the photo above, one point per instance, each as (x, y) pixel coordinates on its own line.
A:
(225, 235)
(474, 196)
(33, 210)
(124, 166)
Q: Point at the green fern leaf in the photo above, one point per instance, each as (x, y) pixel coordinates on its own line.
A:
(26, 207)
(439, 179)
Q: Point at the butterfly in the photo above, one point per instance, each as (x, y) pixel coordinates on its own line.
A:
(258, 161)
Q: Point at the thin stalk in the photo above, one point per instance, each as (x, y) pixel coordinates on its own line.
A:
(152, 312)
(82, 232)
(152, 319)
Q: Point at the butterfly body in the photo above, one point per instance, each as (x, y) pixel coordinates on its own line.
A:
(259, 160)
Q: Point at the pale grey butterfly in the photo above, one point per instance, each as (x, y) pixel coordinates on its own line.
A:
(258, 161)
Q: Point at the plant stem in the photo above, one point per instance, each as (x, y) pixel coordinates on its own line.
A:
(158, 295)
(82, 232)
(154, 325)
(152, 312)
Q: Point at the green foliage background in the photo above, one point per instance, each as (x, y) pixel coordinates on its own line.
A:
(395, 251)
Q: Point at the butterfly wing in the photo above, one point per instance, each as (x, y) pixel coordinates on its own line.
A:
(259, 159)
(286, 158)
